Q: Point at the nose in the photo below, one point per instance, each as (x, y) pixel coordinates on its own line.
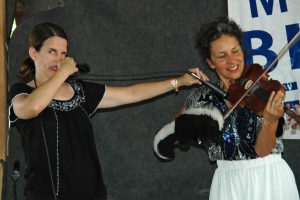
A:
(62, 56)
(59, 57)
(230, 58)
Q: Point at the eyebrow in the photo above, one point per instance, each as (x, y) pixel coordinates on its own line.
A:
(237, 47)
(224, 52)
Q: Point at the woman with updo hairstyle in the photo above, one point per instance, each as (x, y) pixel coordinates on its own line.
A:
(53, 112)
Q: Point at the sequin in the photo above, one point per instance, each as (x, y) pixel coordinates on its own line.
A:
(226, 136)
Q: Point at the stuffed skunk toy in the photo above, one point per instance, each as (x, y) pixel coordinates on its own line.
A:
(195, 126)
(199, 127)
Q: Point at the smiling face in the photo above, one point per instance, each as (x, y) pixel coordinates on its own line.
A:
(227, 58)
(53, 50)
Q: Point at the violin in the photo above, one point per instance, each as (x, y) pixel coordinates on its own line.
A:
(253, 89)
(257, 96)
(257, 88)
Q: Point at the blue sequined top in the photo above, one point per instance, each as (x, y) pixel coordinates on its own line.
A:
(239, 132)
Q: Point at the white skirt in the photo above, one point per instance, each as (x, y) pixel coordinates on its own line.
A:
(267, 178)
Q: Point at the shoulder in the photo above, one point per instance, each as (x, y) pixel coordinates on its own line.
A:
(19, 88)
(85, 84)
(199, 97)
(91, 93)
(201, 91)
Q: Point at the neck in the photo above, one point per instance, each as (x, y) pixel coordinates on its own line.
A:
(225, 84)
(36, 82)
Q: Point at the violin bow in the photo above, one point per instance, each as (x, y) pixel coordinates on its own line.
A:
(279, 56)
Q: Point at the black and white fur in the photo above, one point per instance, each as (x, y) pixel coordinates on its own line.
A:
(192, 124)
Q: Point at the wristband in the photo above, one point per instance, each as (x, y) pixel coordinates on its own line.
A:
(174, 83)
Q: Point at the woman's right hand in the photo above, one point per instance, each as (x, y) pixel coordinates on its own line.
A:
(187, 79)
(67, 65)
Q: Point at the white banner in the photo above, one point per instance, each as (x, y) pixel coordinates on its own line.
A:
(268, 26)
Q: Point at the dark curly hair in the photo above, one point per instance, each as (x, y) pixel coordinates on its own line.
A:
(212, 31)
(39, 34)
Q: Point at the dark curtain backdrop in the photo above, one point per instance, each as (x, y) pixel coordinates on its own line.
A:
(122, 38)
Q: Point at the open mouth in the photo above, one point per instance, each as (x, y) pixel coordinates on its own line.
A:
(54, 68)
(233, 68)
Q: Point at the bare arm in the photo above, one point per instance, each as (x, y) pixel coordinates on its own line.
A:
(116, 96)
(266, 138)
(29, 106)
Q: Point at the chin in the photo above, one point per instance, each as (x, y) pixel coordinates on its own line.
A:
(234, 76)
(237, 74)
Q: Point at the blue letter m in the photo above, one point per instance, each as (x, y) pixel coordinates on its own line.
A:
(268, 6)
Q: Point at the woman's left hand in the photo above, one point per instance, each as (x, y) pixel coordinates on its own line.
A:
(274, 108)
(187, 79)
